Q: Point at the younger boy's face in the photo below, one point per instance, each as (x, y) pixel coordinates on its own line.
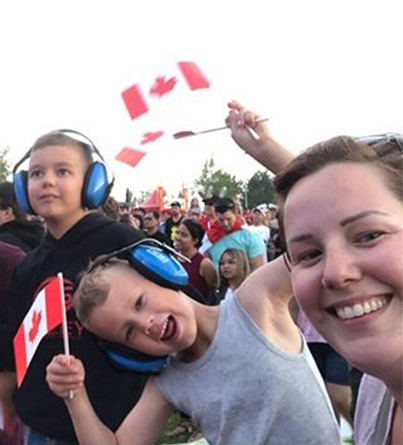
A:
(55, 180)
(144, 316)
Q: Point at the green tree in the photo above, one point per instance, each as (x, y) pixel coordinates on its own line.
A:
(4, 165)
(258, 190)
(216, 181)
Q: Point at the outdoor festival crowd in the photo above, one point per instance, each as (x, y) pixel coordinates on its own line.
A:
(263, 326)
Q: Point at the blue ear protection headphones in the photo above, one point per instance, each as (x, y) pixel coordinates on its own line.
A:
(96, 186)
(156, 262)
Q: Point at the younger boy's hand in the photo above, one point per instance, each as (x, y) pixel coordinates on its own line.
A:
(65, 375)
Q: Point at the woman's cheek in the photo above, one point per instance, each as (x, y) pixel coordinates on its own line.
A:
(304, 289)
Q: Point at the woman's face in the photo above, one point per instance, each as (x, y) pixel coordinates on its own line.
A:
(183, 239)
(344, 231)
(229, 267)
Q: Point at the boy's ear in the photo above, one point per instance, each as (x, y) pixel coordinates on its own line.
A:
(96, 186)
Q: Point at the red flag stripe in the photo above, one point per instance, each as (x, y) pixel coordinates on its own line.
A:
(20, 358)
(193, 75)
(53, 304)
(134, 101)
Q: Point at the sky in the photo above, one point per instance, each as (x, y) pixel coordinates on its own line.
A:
(315, 69)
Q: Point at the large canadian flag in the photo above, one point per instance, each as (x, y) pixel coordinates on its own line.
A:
(138, 98)
(44, 315)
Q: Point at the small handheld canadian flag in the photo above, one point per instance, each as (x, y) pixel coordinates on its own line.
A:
(47, 311)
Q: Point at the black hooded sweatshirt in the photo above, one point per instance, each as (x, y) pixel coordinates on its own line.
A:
(24, 234)
(113, 392)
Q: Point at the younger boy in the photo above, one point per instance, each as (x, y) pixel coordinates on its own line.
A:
(75, 235)
(240, 370)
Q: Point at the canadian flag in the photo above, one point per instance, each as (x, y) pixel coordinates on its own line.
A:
(137, 98)
(44, 315)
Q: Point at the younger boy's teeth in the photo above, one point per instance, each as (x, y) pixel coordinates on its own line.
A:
(359, 309)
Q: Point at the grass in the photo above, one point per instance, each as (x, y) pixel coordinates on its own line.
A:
(174, 422)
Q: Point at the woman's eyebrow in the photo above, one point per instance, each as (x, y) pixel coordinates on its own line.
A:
(299, 238)
(361, 215)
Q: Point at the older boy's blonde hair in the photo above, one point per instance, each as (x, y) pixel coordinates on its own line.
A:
(94, 287)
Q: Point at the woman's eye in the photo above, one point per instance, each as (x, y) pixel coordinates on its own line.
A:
(307, 257)
(369, 236)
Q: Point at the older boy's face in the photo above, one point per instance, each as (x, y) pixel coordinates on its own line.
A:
(143, 315)
(55, 180)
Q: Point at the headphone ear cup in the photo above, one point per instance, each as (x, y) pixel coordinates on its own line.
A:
(128, 359)
(96, 186)
(158, 266)
(20, 182)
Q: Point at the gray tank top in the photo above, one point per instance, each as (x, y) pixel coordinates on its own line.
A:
(246, 391)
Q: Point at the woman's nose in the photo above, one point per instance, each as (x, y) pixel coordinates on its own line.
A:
(340, 268)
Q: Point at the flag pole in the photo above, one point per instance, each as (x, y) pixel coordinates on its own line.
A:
(64, 323)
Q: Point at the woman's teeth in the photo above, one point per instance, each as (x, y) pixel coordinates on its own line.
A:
(359, 309)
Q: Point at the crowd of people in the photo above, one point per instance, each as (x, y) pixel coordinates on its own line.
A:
(261, 320)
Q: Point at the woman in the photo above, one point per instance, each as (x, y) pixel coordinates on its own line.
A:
(202, 273)
(341, 213)
(347, 264)
(233, 269)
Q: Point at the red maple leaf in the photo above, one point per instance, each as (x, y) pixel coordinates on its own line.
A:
(162, 86)
(151, 137)
(36, 321)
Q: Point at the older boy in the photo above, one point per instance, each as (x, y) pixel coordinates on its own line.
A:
(241, 370)
(57, 168)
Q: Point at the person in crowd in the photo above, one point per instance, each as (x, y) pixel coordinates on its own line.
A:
(151, 227)
(241, 370)
(259, 227)
(134, 221)
(111, 208)
(209, 215)
(202, 273)
(173, 222)
(137, 221)
(11, 430)
(233, 270)
(196, 215)
(275, 245)
(124, 208)
(194, 207)
(141, 211)
(15, 226)
(75, 234)
(346, 264)
(228, 232)
(165, 214)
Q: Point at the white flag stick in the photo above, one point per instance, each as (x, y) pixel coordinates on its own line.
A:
(64, 323)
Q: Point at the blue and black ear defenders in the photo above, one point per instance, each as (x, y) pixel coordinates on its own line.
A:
(156, 262)
(96, 186)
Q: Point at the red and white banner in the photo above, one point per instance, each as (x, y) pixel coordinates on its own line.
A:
(44, 315)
